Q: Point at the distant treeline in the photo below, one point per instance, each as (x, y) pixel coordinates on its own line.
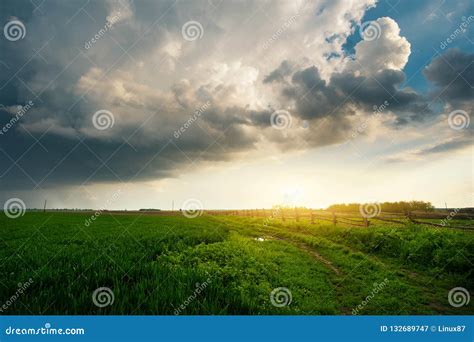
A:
(392, 207)
(58, 209)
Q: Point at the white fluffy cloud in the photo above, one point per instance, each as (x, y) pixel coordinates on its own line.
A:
(388, 51)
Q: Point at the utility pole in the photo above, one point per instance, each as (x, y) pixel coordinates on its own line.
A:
(44, 208)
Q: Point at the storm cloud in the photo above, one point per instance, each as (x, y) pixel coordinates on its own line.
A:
(218, 92)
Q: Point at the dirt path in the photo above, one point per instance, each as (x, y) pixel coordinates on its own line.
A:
(317, 256)
(307, 249)
(304, 247)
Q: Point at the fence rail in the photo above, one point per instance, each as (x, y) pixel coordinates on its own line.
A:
(351, 219)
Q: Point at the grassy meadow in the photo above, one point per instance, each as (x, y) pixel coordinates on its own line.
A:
(229, 265)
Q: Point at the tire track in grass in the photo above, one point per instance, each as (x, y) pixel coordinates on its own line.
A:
(367, 270)
(317, 256)
(314, 258)
(415, 279)
(300, 245)
(308, 250)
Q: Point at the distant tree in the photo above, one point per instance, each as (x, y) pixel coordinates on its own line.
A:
(394, 207)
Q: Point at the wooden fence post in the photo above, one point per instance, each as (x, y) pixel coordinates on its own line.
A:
(366, 222)
(334, 219)
(312, 218)
(283, 215)
(296, 215)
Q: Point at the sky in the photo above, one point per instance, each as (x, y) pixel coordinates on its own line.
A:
(236, 104)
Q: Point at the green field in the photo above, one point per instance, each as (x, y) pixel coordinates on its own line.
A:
(229, 265)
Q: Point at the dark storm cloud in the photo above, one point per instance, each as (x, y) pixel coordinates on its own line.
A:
(279, 74)
(345, 92)
(453, 75)
(55, 143)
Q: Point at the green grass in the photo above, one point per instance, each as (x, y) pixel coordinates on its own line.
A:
(217, 265)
